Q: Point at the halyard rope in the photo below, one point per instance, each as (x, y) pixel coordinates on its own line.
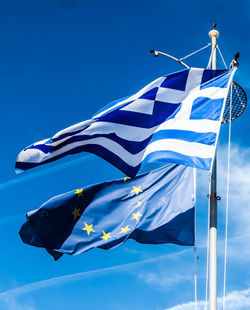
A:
(222, 57)
(202, 48)
(227, 197)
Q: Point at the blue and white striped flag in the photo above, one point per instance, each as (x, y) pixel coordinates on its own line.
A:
(176, 118)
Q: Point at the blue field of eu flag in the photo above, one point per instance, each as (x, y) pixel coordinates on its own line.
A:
(156, 207)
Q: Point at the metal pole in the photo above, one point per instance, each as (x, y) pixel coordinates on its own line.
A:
(213, 34)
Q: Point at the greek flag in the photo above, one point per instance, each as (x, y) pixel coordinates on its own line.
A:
(176, 118)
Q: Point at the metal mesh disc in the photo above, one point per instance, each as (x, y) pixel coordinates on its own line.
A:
(239, 102)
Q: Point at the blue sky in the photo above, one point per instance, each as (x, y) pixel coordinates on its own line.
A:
(61, 61)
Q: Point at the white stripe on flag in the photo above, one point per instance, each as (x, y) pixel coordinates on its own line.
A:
(127, 132)
(213, 92)
(110, 145)
(190, 125)
(180, 146)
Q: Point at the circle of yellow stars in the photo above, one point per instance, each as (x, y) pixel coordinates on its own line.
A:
(89, 228)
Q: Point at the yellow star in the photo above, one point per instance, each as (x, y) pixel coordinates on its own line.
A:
(124, 230)
(105, 236)
(79, 192)
(88, 228)
(137, 190)
(136, 216)
(126, 179)
(138, 204)
(76, 213)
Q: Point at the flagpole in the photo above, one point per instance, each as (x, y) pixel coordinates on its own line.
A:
(213, 34)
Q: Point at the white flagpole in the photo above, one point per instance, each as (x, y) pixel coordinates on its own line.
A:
(213, 34)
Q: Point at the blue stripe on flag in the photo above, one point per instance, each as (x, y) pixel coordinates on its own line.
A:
(206, 108)
(176, 80)
(91, 148)
(162, 110)
(68, 134)
(215, 78)
(131, 146)
(169, 156)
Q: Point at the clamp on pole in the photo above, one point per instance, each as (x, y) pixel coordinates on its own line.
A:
(213, 196)
(234, 62)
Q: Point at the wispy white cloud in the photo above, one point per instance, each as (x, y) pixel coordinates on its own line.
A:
(43, 172)
(77, 276)
(236, 300)
(163, 279)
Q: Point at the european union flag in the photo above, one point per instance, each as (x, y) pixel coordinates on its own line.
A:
(156, 207)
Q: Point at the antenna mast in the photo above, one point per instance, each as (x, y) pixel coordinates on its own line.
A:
(213, 34)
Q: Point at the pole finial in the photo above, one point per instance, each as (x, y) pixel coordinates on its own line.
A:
(213, 33)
